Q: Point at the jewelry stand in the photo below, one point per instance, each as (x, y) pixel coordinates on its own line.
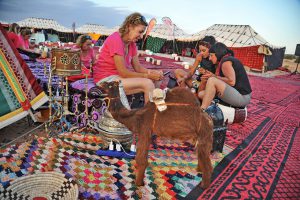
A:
(64, 63)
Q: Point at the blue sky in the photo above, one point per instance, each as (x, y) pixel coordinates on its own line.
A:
(275, 20)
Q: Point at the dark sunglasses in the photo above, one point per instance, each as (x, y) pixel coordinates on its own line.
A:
(87, 37)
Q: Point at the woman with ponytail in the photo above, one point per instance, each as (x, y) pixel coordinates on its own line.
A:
(230, 83)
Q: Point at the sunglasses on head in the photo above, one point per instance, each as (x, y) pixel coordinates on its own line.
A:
(87, 37)
(141, 19)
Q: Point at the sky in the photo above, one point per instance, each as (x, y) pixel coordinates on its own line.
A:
(277, 21)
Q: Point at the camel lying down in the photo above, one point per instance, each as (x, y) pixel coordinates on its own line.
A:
(183, 119)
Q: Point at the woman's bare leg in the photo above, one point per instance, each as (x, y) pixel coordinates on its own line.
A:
(213, 86)
(135, 85)
(180, 73)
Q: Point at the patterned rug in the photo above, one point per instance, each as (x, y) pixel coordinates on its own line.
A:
(171, 173)
(265, 162)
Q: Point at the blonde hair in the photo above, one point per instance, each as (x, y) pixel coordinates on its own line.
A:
(133, 19)
(14, 27)
(25, 32)
(82, 39)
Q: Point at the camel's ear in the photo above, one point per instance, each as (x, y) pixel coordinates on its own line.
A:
(103, 86)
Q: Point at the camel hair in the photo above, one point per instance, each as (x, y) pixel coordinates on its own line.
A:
(183, 119)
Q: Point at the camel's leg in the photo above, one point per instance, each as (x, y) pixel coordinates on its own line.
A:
(204, 163)
(143, 144)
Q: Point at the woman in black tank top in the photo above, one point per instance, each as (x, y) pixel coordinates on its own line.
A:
(230, 83)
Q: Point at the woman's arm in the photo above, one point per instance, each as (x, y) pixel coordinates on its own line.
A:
(137, 66)
(193, 68)
(124, 72)
(152, 74)
(229, 73)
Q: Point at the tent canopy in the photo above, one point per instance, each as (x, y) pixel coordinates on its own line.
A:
(165, 32)
(95, 28)
(231, 35)
(41, 23)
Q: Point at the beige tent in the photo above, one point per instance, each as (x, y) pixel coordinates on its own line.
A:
(95, 28)
(41, 23)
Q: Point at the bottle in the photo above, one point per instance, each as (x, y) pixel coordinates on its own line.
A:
(195, 86)
(198, 74)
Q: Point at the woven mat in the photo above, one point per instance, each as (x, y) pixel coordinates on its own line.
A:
(265, 161)
(171, 173)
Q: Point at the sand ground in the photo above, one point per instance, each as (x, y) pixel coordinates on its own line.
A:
(290, 65)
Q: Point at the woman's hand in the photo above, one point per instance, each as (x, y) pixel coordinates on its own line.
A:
(207, 75)
(181, 81)
(199, 57)
(155, 75)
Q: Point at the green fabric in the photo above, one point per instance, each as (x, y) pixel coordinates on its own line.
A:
(155, 44)
(8, 100)
(13, 80)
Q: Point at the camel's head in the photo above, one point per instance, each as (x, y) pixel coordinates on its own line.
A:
(110, 88)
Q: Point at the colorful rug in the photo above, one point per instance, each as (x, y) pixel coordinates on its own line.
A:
(171, 173)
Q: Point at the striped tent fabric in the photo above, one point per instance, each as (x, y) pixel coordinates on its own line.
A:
(95, 28)
(165, 32)
(19, 90)
(42, 23)
(230, 35)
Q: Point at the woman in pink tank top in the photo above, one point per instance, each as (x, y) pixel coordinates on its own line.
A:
(84, 43)
(87, 57)
(118, 59)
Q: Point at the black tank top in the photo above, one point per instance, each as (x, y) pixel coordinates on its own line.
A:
(242, 83)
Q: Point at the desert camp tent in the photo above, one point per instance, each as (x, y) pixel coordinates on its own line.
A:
(41, 23)
(163, 37)
(96, 31)
(254, 51)
(50, 26)
(94, 28)
(19, 90)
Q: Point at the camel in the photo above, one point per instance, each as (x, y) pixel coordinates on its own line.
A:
(183, 119)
